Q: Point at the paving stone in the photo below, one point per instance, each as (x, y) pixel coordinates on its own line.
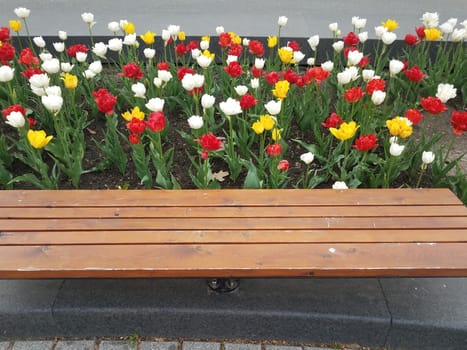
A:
(4, 345)
(193, 345)
(232, 346)
(282, 347)
(313, 348)
(75, 345)
(158, 345)
(115, 345)
(33, 345)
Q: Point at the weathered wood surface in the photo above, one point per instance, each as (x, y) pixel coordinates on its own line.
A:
(225, 233)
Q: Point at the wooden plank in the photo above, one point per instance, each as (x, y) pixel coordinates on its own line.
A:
(335, 223)
(279, 260)
(226, 197)
(229, 237)
(224, 212)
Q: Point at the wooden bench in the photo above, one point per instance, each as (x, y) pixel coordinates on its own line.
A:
(232, 233)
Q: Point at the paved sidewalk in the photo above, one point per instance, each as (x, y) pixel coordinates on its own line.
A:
(144, 345)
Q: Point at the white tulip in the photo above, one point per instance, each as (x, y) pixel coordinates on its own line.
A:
(307, 158)
(459, 35)
(428, 157)
(155, 104)
(81, 56)
(310, 61)
(344, 77)
(245, 42)
(273, 107)
(379, 31)
(173, 31)
(149, 53)
(115, 44)
(446, 28)
(363, 36)
(139, 90)
(219, 30)
(204, 61)
(395, 67)
(241, 90)
(368, 74)
(230, 107)
(327, 66)
(88, 18)
(89, 74)
(66, 67)
(165, 35)
(282, 21)
(353, 72)
(39, 80)
(15, 119)
(388, 38)
(22, 12)
(298, 56)
(445, 92)
(452, 21)
(51, 66)
(195, 122)
(100, 49)
(96, 67)
(338, 46)
(114, 27)
(430, 19)
(62, 35)
(53, 90)
(157, 82)
(53, 103)
(354, 57)
(377, 97)
(333, 27)
(39, 41)
(358, 23)
(339, 185)
(45, 56)
(129, 40)
(259, 63)
(59, 46)
(6, 74)
(254, 83)
(231, 58)
(313, 42)
(198, 80)
(204, 45)
(164, 75)
(396, 149)
(207, 101)
(195, 53)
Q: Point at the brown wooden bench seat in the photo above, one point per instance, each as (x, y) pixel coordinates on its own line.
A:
(232, 233)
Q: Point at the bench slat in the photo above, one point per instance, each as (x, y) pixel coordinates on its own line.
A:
(243, 211)
(226, 197)
(279, 260)
(229, 236)
(234, 223)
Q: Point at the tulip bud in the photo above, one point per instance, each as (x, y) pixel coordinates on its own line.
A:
(195, 122)
(428, 157)
(307, 158)
(339, 185)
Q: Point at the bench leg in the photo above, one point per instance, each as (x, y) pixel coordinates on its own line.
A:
(223, 285)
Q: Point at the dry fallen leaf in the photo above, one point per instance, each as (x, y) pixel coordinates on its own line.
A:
(220, 175)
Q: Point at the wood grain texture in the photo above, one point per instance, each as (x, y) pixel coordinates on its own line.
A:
(241, 233)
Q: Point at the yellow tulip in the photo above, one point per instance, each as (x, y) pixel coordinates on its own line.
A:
(286, 55)
(208, 53)
(70, 81)
(345, 131)
(129, 28)
(206, 38)
(148, 37)
(390, 25)
(235, 38)
(134, 113)
(432, 34)
(181, 36)
(15, 25)
(280, 89)
(267, 121)
(399, 127)
(272, 41)
(38, 138)
(276, 134)
(258, 127)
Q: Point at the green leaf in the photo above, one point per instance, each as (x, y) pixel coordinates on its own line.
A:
(251, 180)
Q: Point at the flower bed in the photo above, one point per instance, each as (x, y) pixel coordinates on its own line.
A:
(260, 113)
